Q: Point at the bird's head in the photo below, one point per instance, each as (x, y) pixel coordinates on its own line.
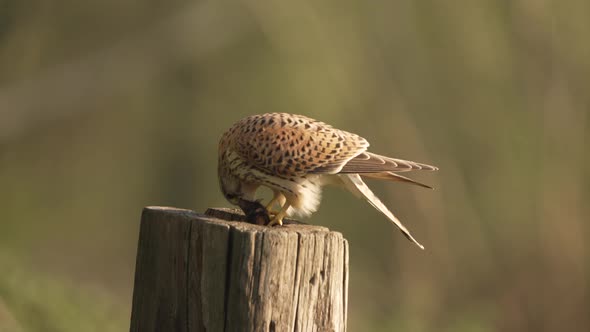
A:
(232, 191)
(231, 188)
(230, 185)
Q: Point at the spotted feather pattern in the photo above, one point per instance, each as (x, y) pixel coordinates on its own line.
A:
(290, 146)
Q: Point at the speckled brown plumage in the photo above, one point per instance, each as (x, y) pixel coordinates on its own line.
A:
(295, 156)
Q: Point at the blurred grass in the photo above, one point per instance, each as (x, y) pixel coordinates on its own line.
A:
(37, 301)
(107, 106)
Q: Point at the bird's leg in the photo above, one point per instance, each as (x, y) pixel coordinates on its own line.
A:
(277, 198)
(278, 218)
(274, 199)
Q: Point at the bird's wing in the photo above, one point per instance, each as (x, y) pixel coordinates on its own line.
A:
(367, 162)
(293, 145)
(355, 185)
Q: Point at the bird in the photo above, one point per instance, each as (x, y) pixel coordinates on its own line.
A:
(295, 156)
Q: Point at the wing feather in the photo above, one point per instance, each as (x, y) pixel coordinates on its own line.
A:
(294, 145)
(367, 162)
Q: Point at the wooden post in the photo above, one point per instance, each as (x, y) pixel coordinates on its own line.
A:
(198, 272)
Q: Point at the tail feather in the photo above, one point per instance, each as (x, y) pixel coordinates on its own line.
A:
(355, 184)
(391, 176)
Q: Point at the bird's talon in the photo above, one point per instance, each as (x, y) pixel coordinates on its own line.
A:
(276, 221)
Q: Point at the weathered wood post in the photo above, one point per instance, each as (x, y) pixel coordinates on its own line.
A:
(198, 272)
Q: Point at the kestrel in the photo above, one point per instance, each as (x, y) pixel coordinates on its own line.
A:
(295, 156)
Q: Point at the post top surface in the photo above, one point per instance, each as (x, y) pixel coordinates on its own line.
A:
(232, 218)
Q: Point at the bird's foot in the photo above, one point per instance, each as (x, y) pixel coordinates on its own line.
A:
(278, 218)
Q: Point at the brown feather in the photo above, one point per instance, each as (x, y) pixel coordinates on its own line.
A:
(293, 145)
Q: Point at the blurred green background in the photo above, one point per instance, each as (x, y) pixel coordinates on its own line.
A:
(108, 106)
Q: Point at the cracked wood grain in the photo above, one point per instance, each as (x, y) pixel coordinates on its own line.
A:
(211, 272)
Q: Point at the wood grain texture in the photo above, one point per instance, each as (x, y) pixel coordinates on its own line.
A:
(211, 272)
